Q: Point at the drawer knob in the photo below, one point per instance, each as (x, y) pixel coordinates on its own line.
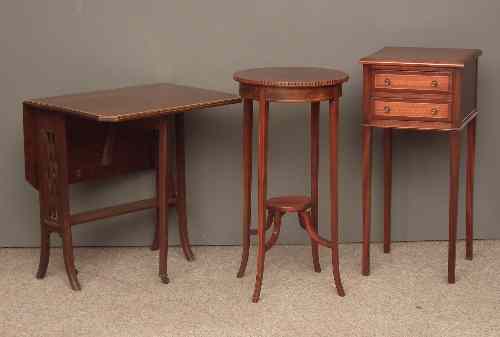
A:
(387, 82)
(387, 109)
(434, 111)
(434, 83)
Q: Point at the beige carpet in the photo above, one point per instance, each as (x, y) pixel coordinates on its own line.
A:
(406, 294)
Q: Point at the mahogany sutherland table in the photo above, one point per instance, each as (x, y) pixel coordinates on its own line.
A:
(288, 85)
(423, 89)
(75, 138)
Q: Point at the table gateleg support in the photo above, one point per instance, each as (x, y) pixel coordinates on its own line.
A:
(54, 192)
(163, 193)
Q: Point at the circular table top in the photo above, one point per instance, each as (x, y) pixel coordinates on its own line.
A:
(291, 77)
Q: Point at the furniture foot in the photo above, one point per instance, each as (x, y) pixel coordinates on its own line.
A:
(44, 251)
(332, 244)
(336, 271)
(164, 279)
(69, 261)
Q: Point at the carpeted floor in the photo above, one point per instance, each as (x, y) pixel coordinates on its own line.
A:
(405, 296)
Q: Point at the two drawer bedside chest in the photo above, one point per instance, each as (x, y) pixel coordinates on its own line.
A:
(423, 89)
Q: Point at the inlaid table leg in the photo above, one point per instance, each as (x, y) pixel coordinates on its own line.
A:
(367, 192)
(454, 180)
(262, 191)
(163, 193)
(469, 196)
(334, 212)
(315, 108)
(54, 191)
(180, 165)
(387, 188)
(247, 182)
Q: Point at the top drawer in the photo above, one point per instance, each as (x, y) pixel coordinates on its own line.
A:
(412, 81)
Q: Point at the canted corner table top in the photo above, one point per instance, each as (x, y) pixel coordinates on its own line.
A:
(450, 57)
(291, 77)
(129, 103)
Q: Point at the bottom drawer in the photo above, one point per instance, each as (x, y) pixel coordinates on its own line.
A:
(384, 109)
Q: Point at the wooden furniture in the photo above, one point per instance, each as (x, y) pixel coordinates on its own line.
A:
(75, 138)
(422, 89)
(267, 85)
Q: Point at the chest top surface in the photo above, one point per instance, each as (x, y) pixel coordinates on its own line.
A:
(447, 57)
(291, 77)
(136, 102)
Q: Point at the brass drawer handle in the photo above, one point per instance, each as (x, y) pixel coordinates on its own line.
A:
(387, 82)
(387, 109)
(434, 84)
(434, 111)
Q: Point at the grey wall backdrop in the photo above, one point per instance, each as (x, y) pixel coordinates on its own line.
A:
(63, 46)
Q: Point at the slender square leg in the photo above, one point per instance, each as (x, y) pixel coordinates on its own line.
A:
(469, 196)
(454, 179)
(367, 191)
(54, 191)
(387, 188)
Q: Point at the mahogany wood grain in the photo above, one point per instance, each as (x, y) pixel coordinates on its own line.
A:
(315, 108)
(291, 94)
(262, 192)
(334, 186)
(397, 96)
(274, 220)
(454, 182)
(438, 57)
(107, 212)
(62, 148)
(247, 182)
(180, 186)
(410, 110)
(288, 85)
(469, 195)
(289, 203)
(129, 103)
(54, 190)
(163, 193)
(291, 77)
(438, 127)
(405, 81)
(387, 140)
(367, 197)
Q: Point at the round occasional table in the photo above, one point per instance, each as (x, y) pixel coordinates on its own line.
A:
(288, 84)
